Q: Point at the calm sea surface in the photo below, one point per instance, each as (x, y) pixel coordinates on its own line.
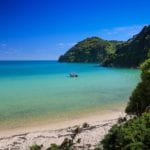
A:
(42, 90)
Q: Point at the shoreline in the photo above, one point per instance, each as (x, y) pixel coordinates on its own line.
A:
(102, 115)
(48, 134)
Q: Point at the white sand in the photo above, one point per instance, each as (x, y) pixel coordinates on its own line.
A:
(22, 139)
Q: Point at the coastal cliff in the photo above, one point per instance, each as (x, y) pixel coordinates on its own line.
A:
(132, 52)
(92, 49)
(111, 53)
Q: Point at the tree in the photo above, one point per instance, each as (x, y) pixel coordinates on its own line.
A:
(140, 98)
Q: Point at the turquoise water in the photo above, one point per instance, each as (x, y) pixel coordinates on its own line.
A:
(34, 90)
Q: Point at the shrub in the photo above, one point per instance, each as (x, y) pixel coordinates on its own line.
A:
(140, 98)
(53, 147)
(36, 147)
(132, 135)
(85, 125)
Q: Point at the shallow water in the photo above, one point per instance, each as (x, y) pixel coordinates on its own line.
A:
(34, 90)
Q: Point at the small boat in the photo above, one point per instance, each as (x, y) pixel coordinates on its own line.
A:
(73, 75)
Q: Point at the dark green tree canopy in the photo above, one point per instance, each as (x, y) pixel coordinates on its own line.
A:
(140, 98)
(132, 135)
(133, 52)
(92, 49)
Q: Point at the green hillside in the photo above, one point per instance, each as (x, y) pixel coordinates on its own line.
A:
(131, 53)
(111, 53)
(92, 49)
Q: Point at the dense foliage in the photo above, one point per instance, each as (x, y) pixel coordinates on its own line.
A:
(91, 49)
(111, 53)
(132, 135)
(140, 98)
(131, 53)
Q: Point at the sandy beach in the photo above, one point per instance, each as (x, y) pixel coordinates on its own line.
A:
(41, 104)
(45, 135)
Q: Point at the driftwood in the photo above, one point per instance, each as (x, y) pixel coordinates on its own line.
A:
(86, 138)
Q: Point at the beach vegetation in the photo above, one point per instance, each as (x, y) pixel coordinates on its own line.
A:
(36, 147)
(53, 147)
(85, 125)
(68, 143)
(140, 99)
(131, 135)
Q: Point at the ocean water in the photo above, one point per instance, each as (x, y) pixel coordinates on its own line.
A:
(32, 91)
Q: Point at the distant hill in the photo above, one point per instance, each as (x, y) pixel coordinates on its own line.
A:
(111, 53)
(131, 53)
(92, 49)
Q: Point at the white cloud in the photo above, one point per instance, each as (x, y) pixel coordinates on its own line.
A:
(6, 50)
(66, 45)
(121, 33)
(3, 44)
(61, 44)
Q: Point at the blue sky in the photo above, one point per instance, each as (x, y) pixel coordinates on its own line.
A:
(45, 29)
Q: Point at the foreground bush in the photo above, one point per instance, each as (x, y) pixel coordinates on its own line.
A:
(132, 135)
(36, 147)
(140, 98)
